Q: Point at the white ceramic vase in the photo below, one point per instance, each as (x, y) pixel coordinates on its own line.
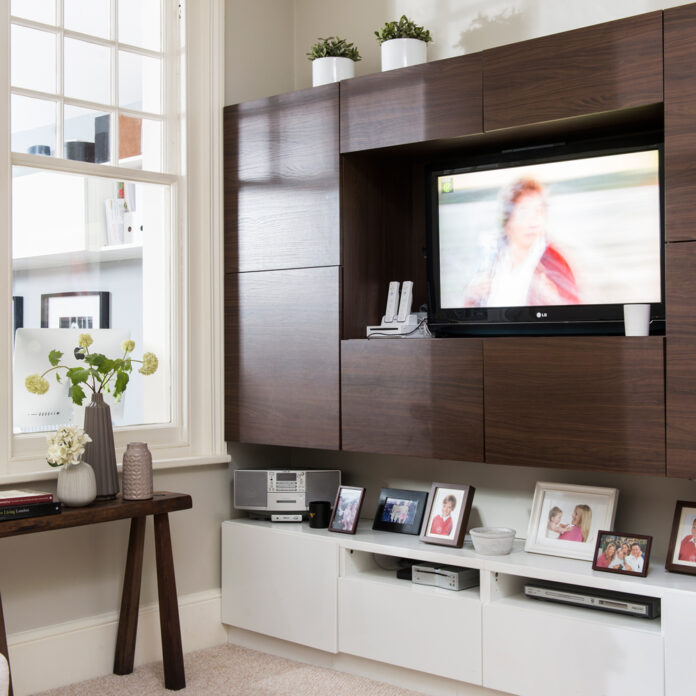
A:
(400, 53)
(77, 485)
(331, 69)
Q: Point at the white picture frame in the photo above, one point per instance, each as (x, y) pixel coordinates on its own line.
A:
(566, 517)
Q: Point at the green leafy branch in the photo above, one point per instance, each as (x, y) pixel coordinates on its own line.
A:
(101, 373)
(333, 47)
(403, 29)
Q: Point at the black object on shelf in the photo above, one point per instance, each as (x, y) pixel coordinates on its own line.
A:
(79, 150)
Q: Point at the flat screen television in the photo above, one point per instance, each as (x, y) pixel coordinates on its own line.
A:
(545, 241)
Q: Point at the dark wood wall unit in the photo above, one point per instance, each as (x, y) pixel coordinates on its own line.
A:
(282, 182)
(424, 102)
(419, 397)
(282, 357)
(680, 290)
(595, 69)
(680, 123)
(580, 403)
(383, 236)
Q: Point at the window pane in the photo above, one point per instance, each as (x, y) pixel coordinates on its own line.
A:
(140, 143)
(87, 71)
(88, 16)
(36, 10)
(33, 125)
(33, 59)
(92, 243)
(140, 24)
(139, 82)
(86, 131)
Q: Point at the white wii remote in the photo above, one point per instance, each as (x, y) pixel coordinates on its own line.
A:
(406, 300)
(392, 301)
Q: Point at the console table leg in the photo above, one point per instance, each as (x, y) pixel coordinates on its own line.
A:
(172, 653)
(3, 644)
(130, 600)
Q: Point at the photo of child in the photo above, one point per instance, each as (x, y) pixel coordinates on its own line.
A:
(448, 514)
(347, 509)
(555, 527)
(399, 511)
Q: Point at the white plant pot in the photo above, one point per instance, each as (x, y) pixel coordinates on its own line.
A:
(77, 485)
(400, 53)
(332, 69)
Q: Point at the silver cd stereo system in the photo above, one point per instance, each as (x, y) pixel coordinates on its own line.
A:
(286, 491)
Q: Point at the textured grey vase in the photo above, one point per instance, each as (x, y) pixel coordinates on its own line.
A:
(100, 453)
(137, 472)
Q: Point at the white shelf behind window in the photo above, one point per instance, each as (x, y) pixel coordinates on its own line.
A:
(117, 252)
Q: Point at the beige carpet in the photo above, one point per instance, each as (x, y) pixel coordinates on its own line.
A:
(228, 670)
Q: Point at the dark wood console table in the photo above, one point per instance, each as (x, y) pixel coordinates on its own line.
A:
(137, 510)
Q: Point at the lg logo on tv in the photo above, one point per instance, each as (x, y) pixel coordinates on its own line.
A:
(542, 315)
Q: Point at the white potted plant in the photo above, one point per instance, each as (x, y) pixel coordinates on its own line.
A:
(403, 43)
(77, 484)
(333, 59)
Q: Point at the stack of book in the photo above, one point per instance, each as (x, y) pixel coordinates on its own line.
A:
(17, 504)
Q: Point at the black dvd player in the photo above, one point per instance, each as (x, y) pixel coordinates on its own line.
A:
(592, 598)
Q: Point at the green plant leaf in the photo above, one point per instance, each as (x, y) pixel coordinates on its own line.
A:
(333, 47)
(405, 28)
(78, 374)
(121, 384)
(77, 394)
(54, 357)
(95, 359)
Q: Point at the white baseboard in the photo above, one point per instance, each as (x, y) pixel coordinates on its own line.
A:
(379, 671)
(78, 650)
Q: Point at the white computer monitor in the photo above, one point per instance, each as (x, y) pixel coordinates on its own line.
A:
(45, 412)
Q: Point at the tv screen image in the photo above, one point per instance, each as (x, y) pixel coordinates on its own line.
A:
(572, 232)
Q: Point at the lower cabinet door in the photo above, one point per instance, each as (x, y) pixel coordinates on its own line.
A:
(423, 628)
(280, 584)
(531, 648)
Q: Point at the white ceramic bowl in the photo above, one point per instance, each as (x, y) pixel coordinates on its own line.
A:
(492, 541)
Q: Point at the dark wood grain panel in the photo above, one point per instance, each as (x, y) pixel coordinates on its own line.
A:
(680, 290)
(383, 219)
(420, 397)
(281, 174)
(282, 357)
(680, 123)
(411, 105)
(579, 403)
(600, 68)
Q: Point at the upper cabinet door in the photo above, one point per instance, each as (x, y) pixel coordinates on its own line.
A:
(412, 105)
(281, 182)
(680, 124)
(601, 68)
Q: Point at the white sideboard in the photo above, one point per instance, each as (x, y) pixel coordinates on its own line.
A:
(330, 591)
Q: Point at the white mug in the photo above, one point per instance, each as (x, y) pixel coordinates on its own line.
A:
(636, 319)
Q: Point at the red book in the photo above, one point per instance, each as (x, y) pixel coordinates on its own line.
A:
(23, 497)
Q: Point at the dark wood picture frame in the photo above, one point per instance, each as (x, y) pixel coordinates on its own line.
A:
(17, 313)
(337, 519)
(456, 537)
(419, 498)
(620, 538)
(104, 307)
(680, 536)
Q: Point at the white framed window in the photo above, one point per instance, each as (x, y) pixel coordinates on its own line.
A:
(100, 206)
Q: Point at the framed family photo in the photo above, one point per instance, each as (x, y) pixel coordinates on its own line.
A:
(627, 554)
(566, 519)
(681, 553)
(346, 509)
(448, 514)
(400, 511)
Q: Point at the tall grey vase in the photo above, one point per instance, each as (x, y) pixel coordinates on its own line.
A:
(101, 453)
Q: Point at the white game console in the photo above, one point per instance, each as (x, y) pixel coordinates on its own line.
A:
(400, 322)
